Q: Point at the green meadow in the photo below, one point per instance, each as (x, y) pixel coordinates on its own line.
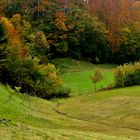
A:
(87, 115)
(76, 75)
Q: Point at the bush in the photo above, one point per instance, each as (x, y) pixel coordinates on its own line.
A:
(127, 75)
(33, 78)
(60, 93)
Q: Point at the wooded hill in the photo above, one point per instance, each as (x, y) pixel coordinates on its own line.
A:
(33, 32)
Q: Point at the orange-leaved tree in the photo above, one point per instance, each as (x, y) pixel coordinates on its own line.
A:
(14, 41)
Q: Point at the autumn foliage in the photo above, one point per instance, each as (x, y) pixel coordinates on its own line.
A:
(116, 15)
(97, 77)
(26, 72)
(60, 19)
(34, 32)
(14, 40)
(127, 75)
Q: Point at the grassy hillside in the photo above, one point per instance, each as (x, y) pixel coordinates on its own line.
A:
(46, 120)
(42, 121)
(118, 111)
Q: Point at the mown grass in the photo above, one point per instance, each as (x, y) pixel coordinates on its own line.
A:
(118, 110)
(35, 119)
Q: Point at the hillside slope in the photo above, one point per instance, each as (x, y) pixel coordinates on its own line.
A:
(117, 111)
(24, 117)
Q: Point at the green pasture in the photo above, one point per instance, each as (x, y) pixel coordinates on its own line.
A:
(76, 75)
(109, 115)
(102, 115)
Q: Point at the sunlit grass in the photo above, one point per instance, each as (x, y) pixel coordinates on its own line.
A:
(34, 118)
(76, 75)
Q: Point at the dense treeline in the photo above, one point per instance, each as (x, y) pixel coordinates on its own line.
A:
(105, 32)
(121, 19)
(69, 28)
(34, 31)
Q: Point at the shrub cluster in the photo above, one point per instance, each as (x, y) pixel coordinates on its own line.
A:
(127, 75)
(20, 67)
(33, 78)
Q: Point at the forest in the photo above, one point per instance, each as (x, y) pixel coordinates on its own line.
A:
(70, 55)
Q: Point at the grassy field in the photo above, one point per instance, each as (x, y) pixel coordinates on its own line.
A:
(24, 117)
(76, 75)
(71, 120)
(80, 82)
(102, 115)
(117, 110)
